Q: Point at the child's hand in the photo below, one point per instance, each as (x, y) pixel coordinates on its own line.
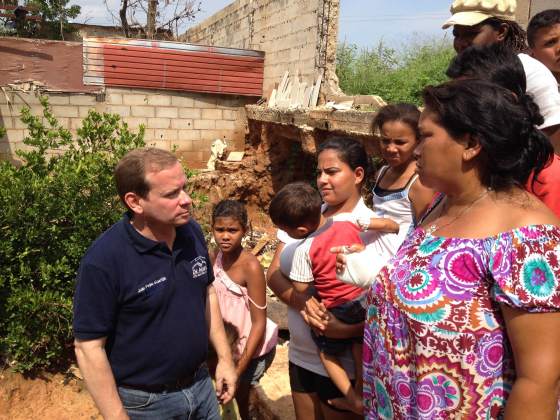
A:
(343, 250)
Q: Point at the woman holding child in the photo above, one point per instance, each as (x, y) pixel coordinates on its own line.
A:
(342, 166)
(464, 320)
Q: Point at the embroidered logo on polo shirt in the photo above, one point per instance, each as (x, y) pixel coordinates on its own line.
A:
(199, 267)
(151, 284)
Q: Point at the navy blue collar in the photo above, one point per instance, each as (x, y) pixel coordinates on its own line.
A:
(139, 241)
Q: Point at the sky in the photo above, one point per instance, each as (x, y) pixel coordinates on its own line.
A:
(362, 22)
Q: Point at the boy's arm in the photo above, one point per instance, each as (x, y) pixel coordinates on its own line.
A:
(380, 224)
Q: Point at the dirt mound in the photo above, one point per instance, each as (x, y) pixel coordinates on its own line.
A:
(49, 397)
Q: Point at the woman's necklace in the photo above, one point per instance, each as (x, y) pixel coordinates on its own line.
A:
(434, 226)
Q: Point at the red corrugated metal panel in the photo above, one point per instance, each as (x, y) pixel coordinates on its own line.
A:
(172, 65)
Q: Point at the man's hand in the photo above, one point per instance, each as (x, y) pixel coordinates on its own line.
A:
(226, 380)
(316, 315)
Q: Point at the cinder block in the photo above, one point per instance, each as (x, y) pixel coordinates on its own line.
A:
(158, 123)
(132, 99)
(160, 144)
(7, 121)
(65, 111)
(229, 114)
(59, 99)
(74, 123)
(191, 158)
(184, 145)
(183, 135)
(122, 110)
(83, 111)
(15, 136)
(225, 125)
(142, 111)
(205, 102)
(82, 100)
(204, 124)
(182, 101)
(165, 134)
(159, 100)
(134, 122)
(211, 114)
(181, 123)
(167, 112)
(114, 98)
(192, 113)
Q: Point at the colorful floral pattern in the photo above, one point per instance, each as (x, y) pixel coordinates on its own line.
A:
(435, 345)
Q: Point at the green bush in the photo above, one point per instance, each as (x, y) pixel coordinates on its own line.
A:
(395, 76)
(53, 206)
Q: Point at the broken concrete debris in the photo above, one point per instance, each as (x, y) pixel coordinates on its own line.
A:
(217, 150)
(292, 93)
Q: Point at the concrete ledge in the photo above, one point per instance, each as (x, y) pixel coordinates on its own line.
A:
(351, 121)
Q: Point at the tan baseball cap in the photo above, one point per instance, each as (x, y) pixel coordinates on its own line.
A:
(472, 12)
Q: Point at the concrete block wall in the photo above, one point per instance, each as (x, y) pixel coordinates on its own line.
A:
(188, 122)
(296, 35)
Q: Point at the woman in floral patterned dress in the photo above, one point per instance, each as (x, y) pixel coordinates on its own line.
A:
(463, 322)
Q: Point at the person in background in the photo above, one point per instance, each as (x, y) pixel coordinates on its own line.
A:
(484, 22)
(144, 306)
(500, 65)
(241, 289)
(543, 36)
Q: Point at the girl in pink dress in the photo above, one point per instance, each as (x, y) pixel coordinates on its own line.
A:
(240, 287)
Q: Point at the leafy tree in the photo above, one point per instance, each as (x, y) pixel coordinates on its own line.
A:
(53, 206)
(395, 76)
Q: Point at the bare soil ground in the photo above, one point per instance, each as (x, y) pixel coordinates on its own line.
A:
(62, 397)
(54, 396)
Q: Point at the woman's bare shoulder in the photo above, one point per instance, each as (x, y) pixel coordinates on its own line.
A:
(524, 209)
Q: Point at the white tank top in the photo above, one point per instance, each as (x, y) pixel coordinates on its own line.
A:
(394, 205)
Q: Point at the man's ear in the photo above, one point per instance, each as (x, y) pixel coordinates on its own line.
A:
(472, 148)
(503, 30)
(132, 201)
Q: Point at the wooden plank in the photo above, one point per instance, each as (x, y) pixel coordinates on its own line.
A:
(282, 85)
(316, 88)
(301, 94)
(272, 99)
(307, 96)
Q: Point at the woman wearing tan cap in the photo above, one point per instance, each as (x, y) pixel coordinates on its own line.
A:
(484, 22)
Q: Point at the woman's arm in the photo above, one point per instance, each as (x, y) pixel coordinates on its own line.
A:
(383, 224)
(256, 289)
(535, 341)
(421, 198)
(281, 285)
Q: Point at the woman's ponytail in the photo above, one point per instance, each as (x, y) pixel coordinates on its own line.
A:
(538, 150)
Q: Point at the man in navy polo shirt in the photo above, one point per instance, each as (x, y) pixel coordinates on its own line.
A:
(145, 307)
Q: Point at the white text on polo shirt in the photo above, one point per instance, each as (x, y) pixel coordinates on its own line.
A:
(199, 267)
(152, 284)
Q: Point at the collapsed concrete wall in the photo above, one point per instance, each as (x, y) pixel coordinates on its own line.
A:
(188, 122)
(296, 36)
